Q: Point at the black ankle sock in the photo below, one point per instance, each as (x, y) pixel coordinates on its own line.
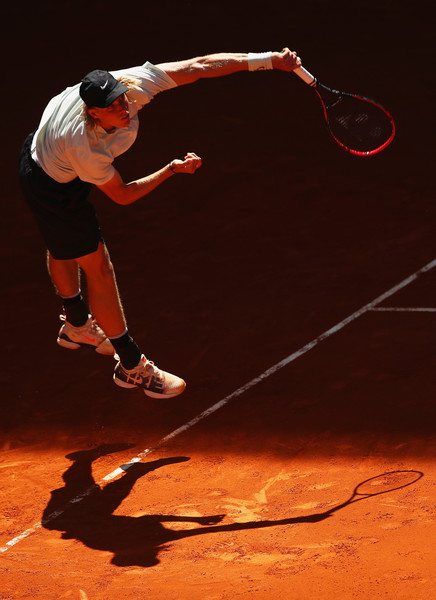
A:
(76, 310)
(127, 350)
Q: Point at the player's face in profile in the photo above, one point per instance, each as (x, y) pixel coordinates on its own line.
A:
(115, 115)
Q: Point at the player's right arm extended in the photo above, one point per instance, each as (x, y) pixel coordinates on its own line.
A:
(224, 63)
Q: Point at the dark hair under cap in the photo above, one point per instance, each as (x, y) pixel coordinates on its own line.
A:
(100, 88)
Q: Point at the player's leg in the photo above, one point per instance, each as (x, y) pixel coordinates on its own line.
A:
(79, 328)
(103, 295)
(133, 369)
(65, 276)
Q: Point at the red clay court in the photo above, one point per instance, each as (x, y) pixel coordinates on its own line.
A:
(290, 284)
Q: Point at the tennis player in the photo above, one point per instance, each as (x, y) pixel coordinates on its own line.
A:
(81, 132)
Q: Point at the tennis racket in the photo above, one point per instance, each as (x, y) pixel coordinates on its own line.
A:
(359, 125)
(380, 484)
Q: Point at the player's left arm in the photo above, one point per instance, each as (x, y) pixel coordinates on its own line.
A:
(127, 193)
(218, 65)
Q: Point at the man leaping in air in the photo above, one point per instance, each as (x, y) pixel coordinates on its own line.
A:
(81, 132)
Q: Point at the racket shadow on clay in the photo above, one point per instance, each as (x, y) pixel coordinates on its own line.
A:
(84, 511)
(375, 486)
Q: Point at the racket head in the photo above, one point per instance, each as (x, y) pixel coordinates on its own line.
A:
(358, 124)
(385, 483)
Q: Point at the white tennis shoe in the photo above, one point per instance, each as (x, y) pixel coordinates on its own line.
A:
(153, 381)
(89, 335)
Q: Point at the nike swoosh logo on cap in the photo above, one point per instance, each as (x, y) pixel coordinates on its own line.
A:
(103, 86)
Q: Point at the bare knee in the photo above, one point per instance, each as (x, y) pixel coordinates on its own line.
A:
(104, 269)
(98, 265)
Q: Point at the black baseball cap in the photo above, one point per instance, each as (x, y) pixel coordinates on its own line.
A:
(100, 88)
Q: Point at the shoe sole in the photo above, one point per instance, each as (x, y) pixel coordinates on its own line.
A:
(75, 346)
(130, 386)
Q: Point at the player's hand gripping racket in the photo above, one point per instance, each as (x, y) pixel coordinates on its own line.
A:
(359, 125)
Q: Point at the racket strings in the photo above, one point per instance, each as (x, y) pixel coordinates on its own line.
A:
(358, 124)
(388, 482)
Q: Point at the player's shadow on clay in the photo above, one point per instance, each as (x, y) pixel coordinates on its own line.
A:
(82, 510)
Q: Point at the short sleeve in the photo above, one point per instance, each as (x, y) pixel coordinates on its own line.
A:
(152, 81)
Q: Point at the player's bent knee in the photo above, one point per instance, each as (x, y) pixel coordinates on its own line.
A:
(98, 264)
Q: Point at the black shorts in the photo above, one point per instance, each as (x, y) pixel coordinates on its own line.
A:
(66, 219)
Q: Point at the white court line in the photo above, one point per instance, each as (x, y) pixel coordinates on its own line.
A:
(399, 309)
(283, 363)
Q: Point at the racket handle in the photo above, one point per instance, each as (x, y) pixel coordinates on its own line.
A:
(305, 76)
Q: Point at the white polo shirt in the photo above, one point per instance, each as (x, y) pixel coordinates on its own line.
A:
(65, 148)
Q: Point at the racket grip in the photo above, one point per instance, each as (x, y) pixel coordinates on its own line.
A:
(305, 76)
